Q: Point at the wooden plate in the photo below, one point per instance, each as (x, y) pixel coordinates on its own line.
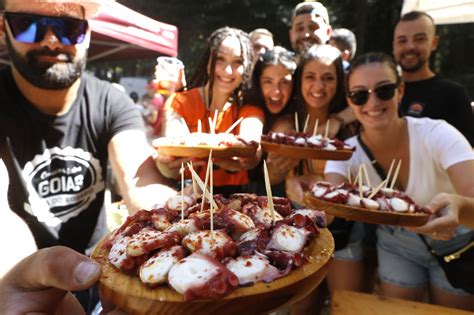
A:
(203, 151)
(130, 295)
(365, 215)
(293, 151)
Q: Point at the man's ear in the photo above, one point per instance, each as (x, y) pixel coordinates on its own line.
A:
(435, 42)
(2, 32)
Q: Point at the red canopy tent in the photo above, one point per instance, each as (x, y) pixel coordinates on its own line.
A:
(120, 33)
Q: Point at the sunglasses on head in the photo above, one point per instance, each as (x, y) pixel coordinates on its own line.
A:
(31, 28)
(384, 93)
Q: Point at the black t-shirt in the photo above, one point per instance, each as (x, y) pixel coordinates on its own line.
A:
(61, 161)
(438, 98)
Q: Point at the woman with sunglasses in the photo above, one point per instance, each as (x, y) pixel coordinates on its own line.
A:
(435, 158)
(272, 90)
(217, 86)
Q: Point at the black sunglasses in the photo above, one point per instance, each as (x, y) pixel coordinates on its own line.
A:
(31, 28)
(383, 92)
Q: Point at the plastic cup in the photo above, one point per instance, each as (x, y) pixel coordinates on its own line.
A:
(169, 71)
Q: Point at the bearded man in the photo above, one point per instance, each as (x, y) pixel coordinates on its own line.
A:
(426, 93)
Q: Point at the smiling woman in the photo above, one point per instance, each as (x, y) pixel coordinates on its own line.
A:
(214, 100)
(435, 158)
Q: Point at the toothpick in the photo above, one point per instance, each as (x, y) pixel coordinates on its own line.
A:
(199, 182)
(234, 125)
(181, 170)
(208, 171)
(326, 131)
(211, 197)
(297, 128)
(349, 174)
(212, 129)
(366, 174)
(269, 191)
(199, 126)
(185, 125)
(395, 175)
(359, 176)
(306, 123)
(214, 120)
(195, 191)
(387, 179)
(315, 130)
(376, 190)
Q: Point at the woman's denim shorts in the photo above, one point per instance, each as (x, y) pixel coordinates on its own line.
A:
(354, 250)
(404, 261)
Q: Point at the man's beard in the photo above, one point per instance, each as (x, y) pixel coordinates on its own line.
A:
(47, 75)
(412, 67)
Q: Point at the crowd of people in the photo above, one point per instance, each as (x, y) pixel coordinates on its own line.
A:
(60, 127)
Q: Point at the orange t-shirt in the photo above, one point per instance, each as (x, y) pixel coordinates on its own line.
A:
(190, 106)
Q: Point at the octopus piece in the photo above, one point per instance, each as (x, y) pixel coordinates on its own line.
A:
(369, 204)
(133, 224)
(288, 238)
(321, 188)
(184, 227)
(150, 239)
(387, 192)
(260, 216)
(398, 205)
(315, 141)
(300, 142)
(353, 200)
(254, 240)
(316, 216)
(337, 196)
(234, 221)
(119, 259)
(175, 202)
(244, 198)
(155, 270)
(252, 269)
(199, 276)
(281, 204)
(216, 244)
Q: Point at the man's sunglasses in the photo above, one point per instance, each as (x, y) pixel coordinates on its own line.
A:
(31, 28)
(383, 92)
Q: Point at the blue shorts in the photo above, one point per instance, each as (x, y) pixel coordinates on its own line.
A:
(354, 250)
(405, 261)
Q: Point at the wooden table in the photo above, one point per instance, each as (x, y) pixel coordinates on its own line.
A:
(350, 303)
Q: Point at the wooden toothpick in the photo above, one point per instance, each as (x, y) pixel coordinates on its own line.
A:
(199, 126)
(185, 126)
(359, 176)
(366, 174)
(326, 131)
(214, 120)
(211, 197)
(199, 182)
(376, 190)
(306, 123)
(387, 179)
(195, 190)
(208, 171)
(349, 174)
(297, 128)
(315, 130)
(234, 125)
(269, 191)
(181, 170)
(395, 175)
(212, 130)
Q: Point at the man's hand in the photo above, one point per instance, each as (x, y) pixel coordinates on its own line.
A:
(41, 282)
